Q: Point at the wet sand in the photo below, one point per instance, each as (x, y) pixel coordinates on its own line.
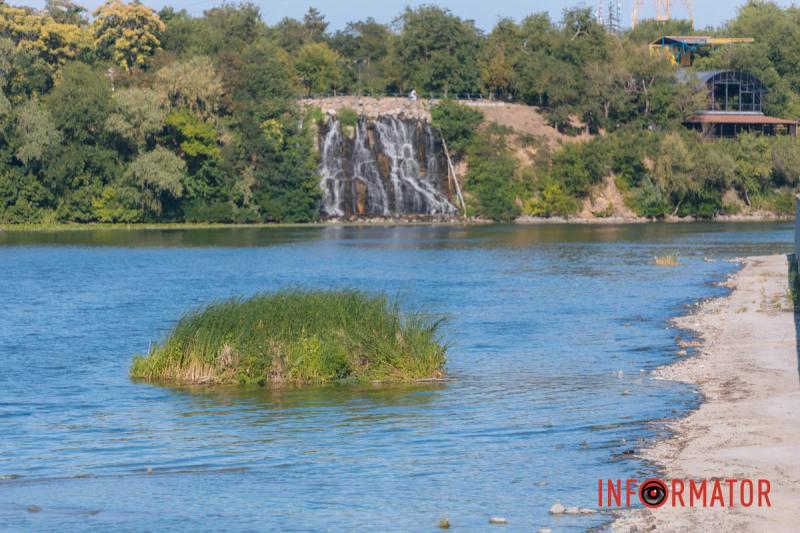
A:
(748, 425)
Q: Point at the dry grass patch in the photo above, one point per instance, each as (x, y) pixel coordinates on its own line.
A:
(666, 260)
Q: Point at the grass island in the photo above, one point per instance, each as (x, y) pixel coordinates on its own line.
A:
(298, 337)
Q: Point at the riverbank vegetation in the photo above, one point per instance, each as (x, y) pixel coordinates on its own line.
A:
(127, 115)
(298, 338)
(655, 174)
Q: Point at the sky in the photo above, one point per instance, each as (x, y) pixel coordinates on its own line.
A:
(485, 13)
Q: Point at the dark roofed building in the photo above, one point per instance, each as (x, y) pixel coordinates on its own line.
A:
(734, 105)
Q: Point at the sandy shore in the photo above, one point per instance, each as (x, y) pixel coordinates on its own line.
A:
(753, 217)
(749, 424)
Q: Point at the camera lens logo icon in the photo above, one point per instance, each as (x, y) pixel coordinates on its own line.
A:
(653, 493)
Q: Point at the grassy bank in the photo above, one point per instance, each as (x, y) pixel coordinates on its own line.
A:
(410, 221)
(140, 226)
(296, 338)
(473, 221)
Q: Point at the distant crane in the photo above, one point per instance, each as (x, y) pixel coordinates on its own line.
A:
(663, 10)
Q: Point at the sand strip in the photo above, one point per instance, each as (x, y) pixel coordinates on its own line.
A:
(749, 424)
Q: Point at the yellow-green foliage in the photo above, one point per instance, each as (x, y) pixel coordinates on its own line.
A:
(295, 338)
(37, 32)
(128, 33)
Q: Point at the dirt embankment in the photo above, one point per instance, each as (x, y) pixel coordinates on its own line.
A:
(748, 427)
(523, 119)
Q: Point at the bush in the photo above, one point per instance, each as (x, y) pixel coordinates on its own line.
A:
(491, 178)
(780, 201)
(348, 118)
(552, 200)
(457, 123)
(648, 200)
(295, 338)
(578, 166)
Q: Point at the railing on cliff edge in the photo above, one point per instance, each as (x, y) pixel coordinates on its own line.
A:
(468, 97)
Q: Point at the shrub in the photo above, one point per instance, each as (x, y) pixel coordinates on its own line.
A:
(648, 200)
(491, 178)
(348, 118)
(552, 200)
(578, 166)
(780, 201)
(457, 123)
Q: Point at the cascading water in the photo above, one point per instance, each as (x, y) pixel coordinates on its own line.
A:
(385, 167)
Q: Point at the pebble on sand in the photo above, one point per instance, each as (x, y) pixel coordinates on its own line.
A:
(557, 508)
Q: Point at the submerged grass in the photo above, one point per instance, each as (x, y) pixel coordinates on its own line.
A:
(298, 337)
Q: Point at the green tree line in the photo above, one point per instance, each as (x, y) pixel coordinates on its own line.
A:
(126, 114)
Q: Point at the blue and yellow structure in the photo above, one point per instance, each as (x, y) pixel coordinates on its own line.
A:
(682, 49)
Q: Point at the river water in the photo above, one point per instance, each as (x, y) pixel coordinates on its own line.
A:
(542, 321)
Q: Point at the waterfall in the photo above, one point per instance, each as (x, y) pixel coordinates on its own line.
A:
(383, 167)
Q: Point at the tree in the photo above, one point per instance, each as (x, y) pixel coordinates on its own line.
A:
(127, 33)
(157, 174)
(197, 140)
(138, 116)
(578, 166)
(34, 133)
(80, 103)
(319, 67)
(674, 170)
(287, 180)
(457, 124)
(193, 84)
(66, 12)
(500, 59)
(229, 28)
(55, 42)
(259, 76)
(491, 178)
(23, 73)
(753, 167)
(365, 47)
(777, 32)
(786, 162)
(315, 25)
(438, 52)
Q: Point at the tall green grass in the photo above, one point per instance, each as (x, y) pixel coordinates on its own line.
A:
(298, 337)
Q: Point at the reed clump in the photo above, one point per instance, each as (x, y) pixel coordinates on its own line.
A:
(666, 260)
(297, 337)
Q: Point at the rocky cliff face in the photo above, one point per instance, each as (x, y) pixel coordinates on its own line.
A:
(386, 166)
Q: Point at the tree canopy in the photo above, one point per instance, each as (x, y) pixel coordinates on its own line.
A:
(127, 114)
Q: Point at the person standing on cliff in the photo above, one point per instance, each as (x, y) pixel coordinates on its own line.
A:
(412, 95)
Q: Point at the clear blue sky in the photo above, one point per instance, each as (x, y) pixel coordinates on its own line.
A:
(484, 12)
